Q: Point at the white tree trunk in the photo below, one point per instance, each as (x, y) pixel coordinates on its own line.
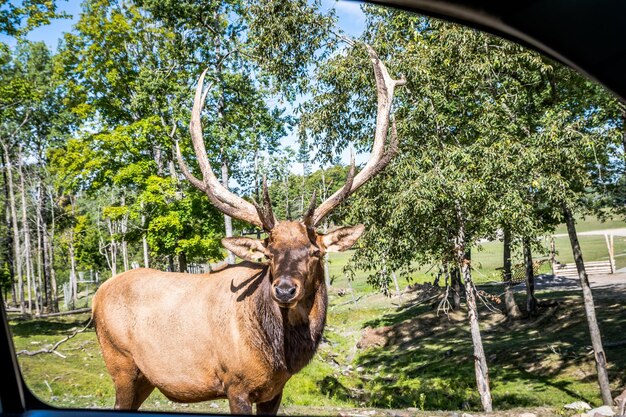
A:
(73, 279)
(16, 233)
(146, 252)
(395, 281)
(39, 274)
(125, 255)
(28, 260)
(112, 248)
(480, 361)
(123, 225)
(144, 241)
(48, 242)
(72, 256)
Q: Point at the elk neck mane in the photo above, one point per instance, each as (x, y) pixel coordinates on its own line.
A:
(286, 338)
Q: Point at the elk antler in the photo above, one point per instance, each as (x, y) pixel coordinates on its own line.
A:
(307, 219)
(379, 156)
(265, 212)
(225, 201)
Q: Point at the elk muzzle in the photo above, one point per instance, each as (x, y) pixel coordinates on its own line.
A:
(286, 291)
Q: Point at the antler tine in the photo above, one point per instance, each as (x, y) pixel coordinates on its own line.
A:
(225, 201)
(379, 157)
(266, 215)
(186, 172)
(340, 195)
(308, 217)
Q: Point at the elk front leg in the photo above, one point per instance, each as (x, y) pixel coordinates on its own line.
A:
(239, 403)
(270, 408)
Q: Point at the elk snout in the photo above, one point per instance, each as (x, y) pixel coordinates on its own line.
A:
(285, 290)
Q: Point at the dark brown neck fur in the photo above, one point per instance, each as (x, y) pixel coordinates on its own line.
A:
(286, 338)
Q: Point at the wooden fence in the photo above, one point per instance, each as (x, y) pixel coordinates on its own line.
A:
(592, 268)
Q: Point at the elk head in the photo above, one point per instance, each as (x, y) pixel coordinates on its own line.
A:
(293, 249)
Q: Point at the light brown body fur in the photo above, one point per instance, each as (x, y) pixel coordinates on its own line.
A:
(216, 335)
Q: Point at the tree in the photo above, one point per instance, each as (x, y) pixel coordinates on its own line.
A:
(488, 129)
(18, 19)
(34, 119)
(138, 61)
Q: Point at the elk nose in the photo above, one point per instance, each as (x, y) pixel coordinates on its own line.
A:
(285, 291)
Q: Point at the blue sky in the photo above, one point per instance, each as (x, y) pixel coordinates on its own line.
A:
(51, 33)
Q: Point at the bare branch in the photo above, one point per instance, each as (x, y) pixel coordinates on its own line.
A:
(444, 305)
(56, 345)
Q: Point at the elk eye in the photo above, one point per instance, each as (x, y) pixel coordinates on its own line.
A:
(317, 252)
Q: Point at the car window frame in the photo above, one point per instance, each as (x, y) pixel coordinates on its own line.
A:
(15, 396)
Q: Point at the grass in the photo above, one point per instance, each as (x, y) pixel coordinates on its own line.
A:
(589, 223)
(426, 363)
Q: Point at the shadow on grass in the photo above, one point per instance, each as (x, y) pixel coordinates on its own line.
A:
(332, 388)
(49, 327)
(426, 360)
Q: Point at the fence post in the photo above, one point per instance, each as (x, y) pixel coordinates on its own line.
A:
(609, 247)
(612, 255)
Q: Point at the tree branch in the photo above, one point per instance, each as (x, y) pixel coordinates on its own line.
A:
(56, 345)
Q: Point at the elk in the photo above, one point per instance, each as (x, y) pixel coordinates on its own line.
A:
(241, 332)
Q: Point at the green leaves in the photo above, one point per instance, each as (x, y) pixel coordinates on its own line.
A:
(187, 224)
(285, 37)
(18, 19)
(491, 135)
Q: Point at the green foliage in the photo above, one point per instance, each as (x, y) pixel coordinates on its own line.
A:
(132, 65)
(5, 277)
(291, 193)
(492, 136)
(180, 223)
(16, 19)
(87, 241)
(279, 45)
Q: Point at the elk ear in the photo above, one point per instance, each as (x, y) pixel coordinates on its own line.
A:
(342, 238)
(249, 249)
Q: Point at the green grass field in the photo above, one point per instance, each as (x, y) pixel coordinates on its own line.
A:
(589, 223)
(426, 363)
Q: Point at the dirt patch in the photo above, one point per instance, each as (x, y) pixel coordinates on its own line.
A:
(374, 337)
(409, 330)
